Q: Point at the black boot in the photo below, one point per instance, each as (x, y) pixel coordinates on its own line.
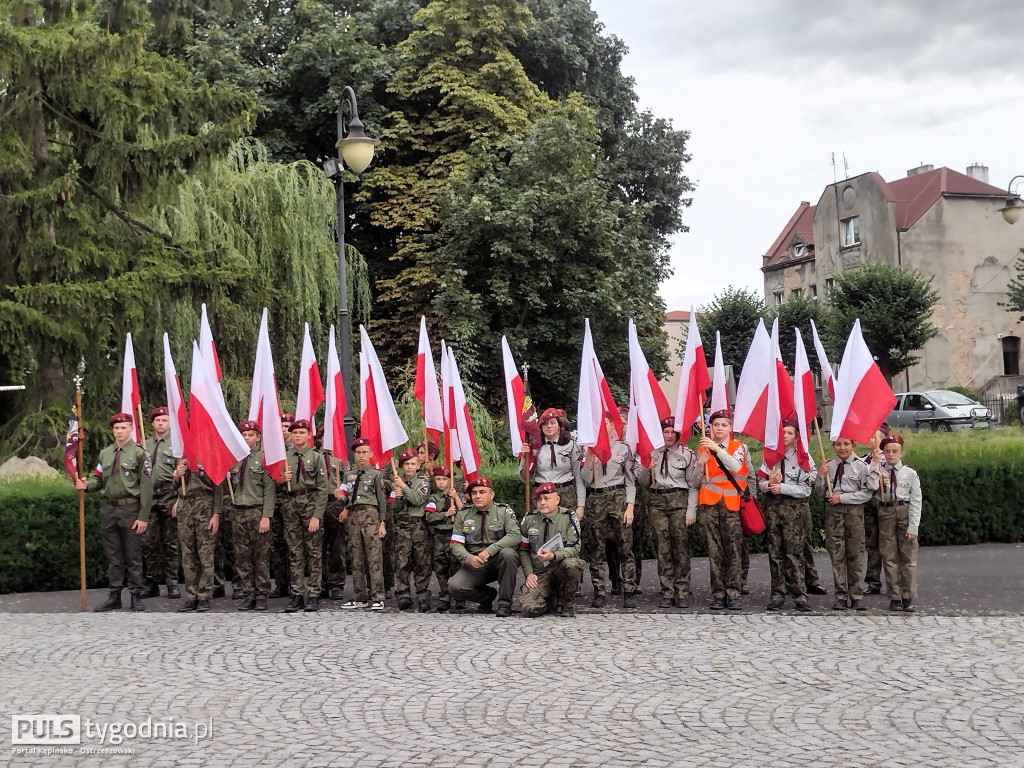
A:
(112, 603)
(279, 590)
(312, 605)
(152, 590)
(249, 604)
(137, 602)
(173, 593)
(296, 604)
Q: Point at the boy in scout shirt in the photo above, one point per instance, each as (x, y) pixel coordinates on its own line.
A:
(255, 493)
(412, 534)
(899, 515)
(198, 509)
(304, 487)
(366, 509)
(162, 532)
(484, 539)
(278, 545)
(442, 507)
(550, 575)
(124, 475)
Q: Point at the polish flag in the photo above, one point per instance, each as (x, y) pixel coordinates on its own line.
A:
(214, 439)
(336, 404)
(378, 419)
(264, 407)
(175, 405)
(514, 396)
(595, 403)
(646, 408)
(826, 367)
(463, 424)
(693, 379)
(209, 351)
(426, 386)
(752, 390)
(779, 404)
(719, 388)
(311, 391)
(863, 396)
(130, 387)
(803, 401)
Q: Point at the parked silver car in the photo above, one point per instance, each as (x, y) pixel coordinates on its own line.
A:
(940, 410)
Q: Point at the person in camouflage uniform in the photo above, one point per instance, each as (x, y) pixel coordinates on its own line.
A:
(304, 486)
(442, 507)
(413, 546)
(278, 545)
(551, 575)
(335, 538)
(786, 487)
(124, 475)
(365, 510)
(162, 532)
(255, 492)
(198, 509)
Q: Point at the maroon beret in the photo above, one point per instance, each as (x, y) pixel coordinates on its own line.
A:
(359, 442)
(158, 411)
(791, 423)
(121, 418)
(320, 434)
(722, 414)
(890, 440)
(441, 471)
(543, 488)
(480, 482)
(289, 417)
(249, 426)
(668, 421)
(431, 446)
(410, 453)
(552, 413)
(300, 424)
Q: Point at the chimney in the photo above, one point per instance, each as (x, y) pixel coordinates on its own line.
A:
(922, 168)
(978, 171)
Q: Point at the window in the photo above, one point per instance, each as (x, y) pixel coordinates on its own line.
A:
(796, 293)
(778, 297)
(799, 250)
(814, 291)
(914, 403)
(1011, 356)
(851, 231)
(830, 284)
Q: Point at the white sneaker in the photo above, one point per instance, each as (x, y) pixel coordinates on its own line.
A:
(377, 605)
(354, 604)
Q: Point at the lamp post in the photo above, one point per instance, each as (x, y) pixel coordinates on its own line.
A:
(1012, 208)
(355, 149)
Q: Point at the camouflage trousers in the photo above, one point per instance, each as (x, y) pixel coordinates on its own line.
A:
(786, 546)
(725, 549)
(873, 574)
(811, 578)
(387, 553)
(413, 554)
(445, 563)
(898, 555)
(335, 544)
(556, 583)
(226, 550)
(844, 538)
(614, 566)
(162, 533)
(121, 545)
(278, 545)
(198, 545)
(365, 550)
(305, 547)
(252, 552)
(668, 526)
(603, 524)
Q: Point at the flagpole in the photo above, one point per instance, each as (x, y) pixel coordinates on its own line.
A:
(703, 427)
(231, 491)
(81, 494)
(817, 431)
(142, 430)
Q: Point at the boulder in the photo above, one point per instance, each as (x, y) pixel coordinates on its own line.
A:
(32, 468)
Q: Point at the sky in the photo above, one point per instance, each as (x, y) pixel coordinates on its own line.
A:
(770, 89)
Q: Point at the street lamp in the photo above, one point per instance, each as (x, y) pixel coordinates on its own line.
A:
(355, 149)
(1013, 206)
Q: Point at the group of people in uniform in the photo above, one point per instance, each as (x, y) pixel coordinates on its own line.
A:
(396, 528)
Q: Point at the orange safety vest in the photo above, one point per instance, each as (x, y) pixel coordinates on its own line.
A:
(717, 486)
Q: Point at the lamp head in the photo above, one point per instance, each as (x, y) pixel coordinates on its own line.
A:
(357, 148)
(1012, 209)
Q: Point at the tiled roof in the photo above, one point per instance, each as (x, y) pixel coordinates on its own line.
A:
(679, 315)
(800, 223)
(913, 195)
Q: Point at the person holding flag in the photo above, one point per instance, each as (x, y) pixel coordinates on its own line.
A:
(366, 510)
(255, 493)
(413, 542)
(556, 460)
(162, 532)
(198, 509)
(442, 507)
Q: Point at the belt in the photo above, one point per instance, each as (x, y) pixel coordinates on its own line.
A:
(608, 489)
(303, 492)
(123, 502)
(892, 503)
(248, 506)
(668, 490)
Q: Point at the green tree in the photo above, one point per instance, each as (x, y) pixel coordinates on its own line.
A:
(1015, 288)
(734, 314)
(895, 310)
(795, 312)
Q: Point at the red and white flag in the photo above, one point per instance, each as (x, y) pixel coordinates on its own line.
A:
(826, 368)
(214, 440)
(264, 407)
(863, 396)
(693, 379)
(462, 423)
(311, 391)
(378, 419)
(719, 388)
(779, 404)
(209, 351)
(514, 396)
(425, 388)
(803, 401)
(336, 404)
(647, 404)
(595, 403)
(130, 387)
(176, 412)
(752, 390)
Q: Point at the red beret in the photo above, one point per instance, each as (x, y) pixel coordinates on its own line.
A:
(890, 440)
(289, 417)
(320, 434)
(480, 482)
(359, 442)
(552, 413)
(442, 472)
(250, 426)
(410, 453)
(543, 488)
(791, 423)
(121, 418)
(722, 414)
(668, 421)
(432, 449)
(300, 424)
(159, 411)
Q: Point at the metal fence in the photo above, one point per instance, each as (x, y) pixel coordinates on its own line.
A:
(1005, 410)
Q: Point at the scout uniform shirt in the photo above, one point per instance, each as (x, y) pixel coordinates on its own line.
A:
(414, 498)
(124, 473)
(474, 531)
(253, 485)
(796, 483)
(309, 475)
(537, 530)
(366, 486)
(901, 483)
(163, 460)
(198, 483)
(674, 468)
(617, 473)
(435, 512)
(856, 484)
(558, 464)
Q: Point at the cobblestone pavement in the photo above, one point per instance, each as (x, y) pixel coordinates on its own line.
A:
(355, 689)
